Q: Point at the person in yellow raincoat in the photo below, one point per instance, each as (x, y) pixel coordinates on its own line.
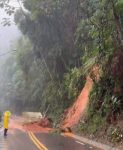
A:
(7, 115)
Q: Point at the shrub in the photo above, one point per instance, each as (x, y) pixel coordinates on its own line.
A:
(115, 134)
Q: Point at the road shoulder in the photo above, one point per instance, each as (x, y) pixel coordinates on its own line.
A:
(90, 142)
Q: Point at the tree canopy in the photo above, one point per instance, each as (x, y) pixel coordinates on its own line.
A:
(63, 40)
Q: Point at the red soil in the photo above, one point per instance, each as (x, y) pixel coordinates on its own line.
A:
(13, 124)
(74, 113)
(43, 125)
(35, 127)
(18, 123)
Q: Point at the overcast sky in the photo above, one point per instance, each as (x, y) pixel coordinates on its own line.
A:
(7, 34)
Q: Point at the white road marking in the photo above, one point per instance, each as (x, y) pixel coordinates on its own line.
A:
(83, 144)
(80, 143)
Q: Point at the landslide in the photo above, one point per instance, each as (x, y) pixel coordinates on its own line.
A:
(75, 112)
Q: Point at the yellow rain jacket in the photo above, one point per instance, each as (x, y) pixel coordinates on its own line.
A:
(7, 114)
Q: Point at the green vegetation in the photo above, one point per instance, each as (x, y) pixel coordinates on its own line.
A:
(47, 63)
(115, 134)
(104, 48)
(62, 42)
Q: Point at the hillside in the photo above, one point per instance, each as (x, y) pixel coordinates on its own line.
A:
(77, 110)
(68, 64)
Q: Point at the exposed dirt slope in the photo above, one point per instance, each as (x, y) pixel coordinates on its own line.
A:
(74, 113)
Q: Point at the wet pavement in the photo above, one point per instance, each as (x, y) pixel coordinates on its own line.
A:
(58, 142)
(18, 140)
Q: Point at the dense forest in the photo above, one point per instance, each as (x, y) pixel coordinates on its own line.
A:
(62, 42)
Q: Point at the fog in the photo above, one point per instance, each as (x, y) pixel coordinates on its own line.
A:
(7, 33)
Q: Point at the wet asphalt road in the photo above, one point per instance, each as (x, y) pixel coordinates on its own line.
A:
(17, 140)
(57, 142)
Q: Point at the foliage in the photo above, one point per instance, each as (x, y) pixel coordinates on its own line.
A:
(100, 38)
(63, 41)
(51, 33)
(74, 81)
(115, 134)
(45, 53)
(92, 125)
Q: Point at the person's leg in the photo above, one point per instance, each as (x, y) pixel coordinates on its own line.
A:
(5, 132)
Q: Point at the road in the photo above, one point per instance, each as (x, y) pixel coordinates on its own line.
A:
(18, 140)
